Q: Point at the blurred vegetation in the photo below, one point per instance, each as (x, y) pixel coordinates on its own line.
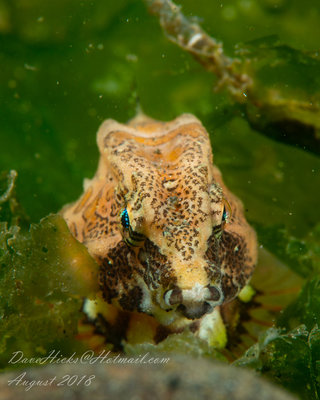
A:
(67, 65)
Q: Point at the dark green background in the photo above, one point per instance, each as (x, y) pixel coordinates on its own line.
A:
(68, 65)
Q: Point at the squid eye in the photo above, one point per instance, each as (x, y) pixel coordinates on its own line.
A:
(131, 237)
(227, 212)
(125, 221)
(225, 215)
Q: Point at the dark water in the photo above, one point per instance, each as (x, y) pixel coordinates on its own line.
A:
(66, 66)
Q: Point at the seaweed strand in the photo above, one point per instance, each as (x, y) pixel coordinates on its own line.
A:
(209, 52)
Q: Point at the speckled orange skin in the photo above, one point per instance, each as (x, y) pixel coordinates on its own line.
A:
(163, 174)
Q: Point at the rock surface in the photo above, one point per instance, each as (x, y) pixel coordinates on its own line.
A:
(178, 379)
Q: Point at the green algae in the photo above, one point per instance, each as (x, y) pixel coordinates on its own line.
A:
(290, 353)
(289, 359)
(44, 275)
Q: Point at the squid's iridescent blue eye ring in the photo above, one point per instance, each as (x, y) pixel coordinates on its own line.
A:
(125, 221)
